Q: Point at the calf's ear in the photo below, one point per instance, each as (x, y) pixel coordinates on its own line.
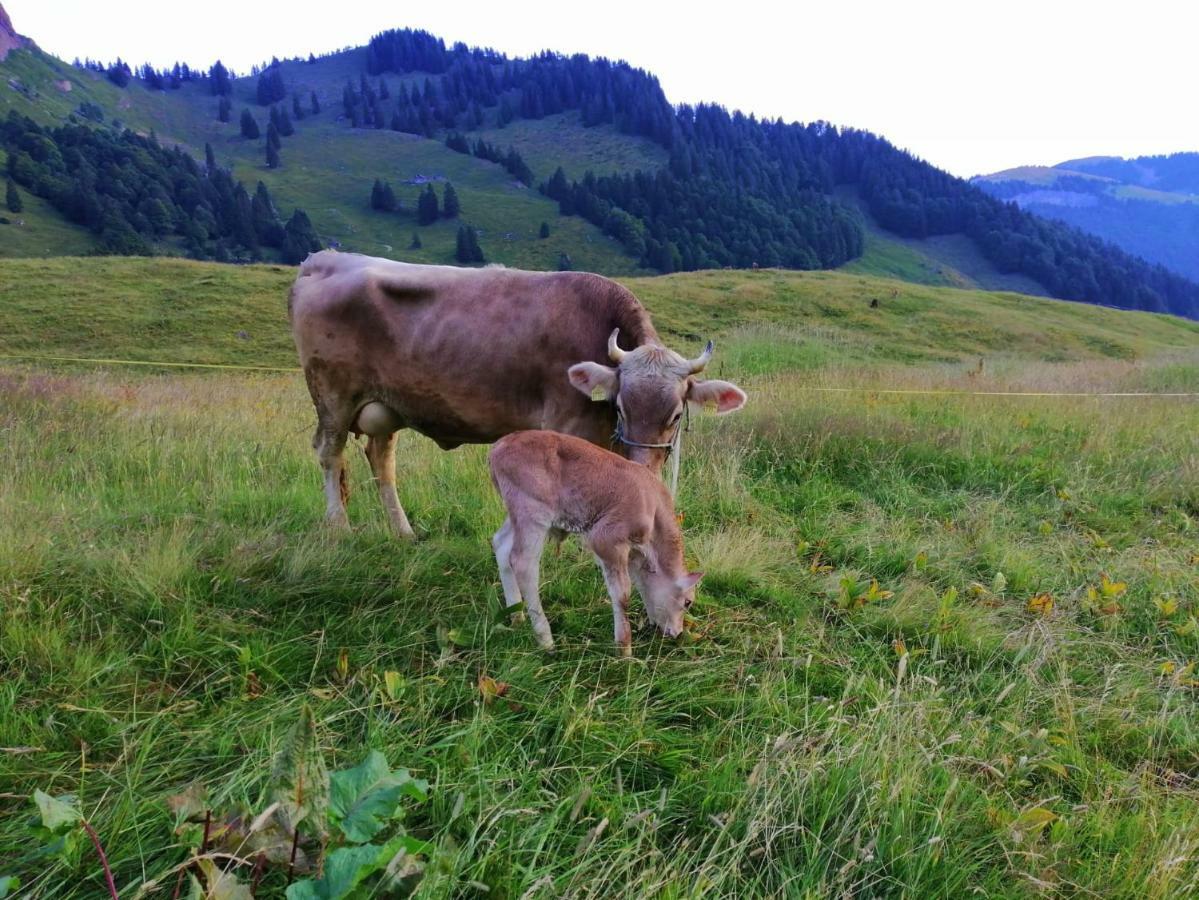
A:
(724, 396)
(596, 381)
(690, 580)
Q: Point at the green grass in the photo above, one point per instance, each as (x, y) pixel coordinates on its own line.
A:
(170, 309)
(169, 599)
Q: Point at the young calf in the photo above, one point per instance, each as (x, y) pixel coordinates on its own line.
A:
(553, 484)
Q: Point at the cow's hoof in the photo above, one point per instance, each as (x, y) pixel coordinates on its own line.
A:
(519, 618)
(626, 651)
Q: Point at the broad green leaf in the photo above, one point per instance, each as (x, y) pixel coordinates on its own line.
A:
(345, 869)
(363, 799)
(1055, 767)
(8, 885)
(222, 885)
(394, 683)
(58, 814)
(299, 779)
(1034, 819)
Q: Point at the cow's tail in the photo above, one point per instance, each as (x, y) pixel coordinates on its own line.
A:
(344, 485)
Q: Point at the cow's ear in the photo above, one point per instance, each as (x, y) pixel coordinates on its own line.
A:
(690, 580)
(596, 381)
(724, 396)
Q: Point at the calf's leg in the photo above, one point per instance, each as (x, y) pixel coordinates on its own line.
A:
(502, 544)
(613, 560)
(381, 452)
(528, 540)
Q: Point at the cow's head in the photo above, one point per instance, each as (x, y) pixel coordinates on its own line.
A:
(650, 385)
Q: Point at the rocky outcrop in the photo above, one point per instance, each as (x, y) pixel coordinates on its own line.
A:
(9, 39)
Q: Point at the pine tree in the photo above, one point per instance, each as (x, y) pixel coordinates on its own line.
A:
(461, 247)
(223, 109)
(565, 264)
(272, 136)
(377, 195)
(285, 127)
(296, 109)
(209, 159)
(220, 82)
(272, 155)
(475, 249)
(544, 232)
(299, 238)
(449, 205)
(426, 207)
(316, 104)
(270, 87)
(249, 127)
(467, 249)
(11, 198)
(416, 244)
(267, 226)
(505, 114)
(390, 204)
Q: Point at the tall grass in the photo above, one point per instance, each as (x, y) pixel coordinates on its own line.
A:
(169, 598)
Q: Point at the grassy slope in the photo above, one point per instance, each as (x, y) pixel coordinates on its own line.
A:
(171, 309)
(328, 169)
(945, 259)
(168, 598)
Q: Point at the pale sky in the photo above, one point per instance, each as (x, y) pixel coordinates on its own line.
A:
(971, 87)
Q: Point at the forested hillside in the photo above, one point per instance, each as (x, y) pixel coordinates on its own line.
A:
(688, 187)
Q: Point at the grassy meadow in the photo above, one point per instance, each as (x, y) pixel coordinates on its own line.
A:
(944, 647)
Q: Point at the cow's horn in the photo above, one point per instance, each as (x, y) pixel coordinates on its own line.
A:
(697, 364)
(614, 352)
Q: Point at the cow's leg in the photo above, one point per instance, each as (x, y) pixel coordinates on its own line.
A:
(613, 561)
(330, 444)
(502, 544)
(527, 542)
(381, 452)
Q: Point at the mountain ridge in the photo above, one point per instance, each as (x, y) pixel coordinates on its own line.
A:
(1147, 205)
(733, 191)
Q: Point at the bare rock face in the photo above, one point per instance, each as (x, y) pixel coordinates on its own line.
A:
(9, 39)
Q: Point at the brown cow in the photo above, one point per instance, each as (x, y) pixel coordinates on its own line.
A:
(466, 356)
(555, 484)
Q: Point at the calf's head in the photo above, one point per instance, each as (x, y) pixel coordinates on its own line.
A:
(667, 598)
(650, 385)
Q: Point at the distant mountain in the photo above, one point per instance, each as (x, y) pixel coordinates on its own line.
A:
(1148, 206)
(555, 162)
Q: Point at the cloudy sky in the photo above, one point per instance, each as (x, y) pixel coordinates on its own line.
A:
(972, 87)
